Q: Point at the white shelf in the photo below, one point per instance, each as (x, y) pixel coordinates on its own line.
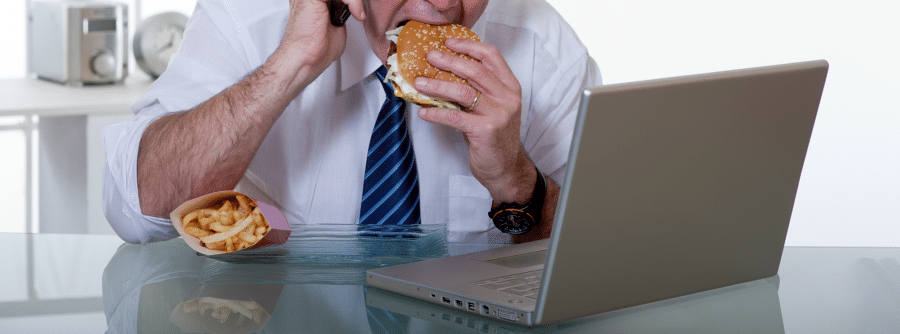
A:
(27, 96)
(64, 154)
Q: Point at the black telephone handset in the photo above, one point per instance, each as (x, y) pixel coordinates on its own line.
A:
(339, 12)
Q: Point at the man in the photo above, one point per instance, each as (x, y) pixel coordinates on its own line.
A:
(269, 97)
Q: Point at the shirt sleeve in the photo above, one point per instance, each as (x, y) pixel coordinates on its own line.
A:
(563, 69)
(213, 56)
(120, 194)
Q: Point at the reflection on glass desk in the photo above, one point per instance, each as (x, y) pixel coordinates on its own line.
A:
(91, 284)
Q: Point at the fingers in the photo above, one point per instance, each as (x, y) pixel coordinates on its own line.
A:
(452, 91)
(311, 38)
(474, 102)
(356, 9)
(488, 55)
(491, 79)
(335, 10)
(459, 120)
(478, 75)
(482, 81)
(484, 117)
(493, 86)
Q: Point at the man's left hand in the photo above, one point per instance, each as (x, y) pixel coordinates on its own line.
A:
(491, 120)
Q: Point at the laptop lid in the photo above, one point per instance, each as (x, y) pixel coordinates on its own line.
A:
(678, 185)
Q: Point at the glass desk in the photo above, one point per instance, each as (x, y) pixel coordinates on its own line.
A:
(93, 284)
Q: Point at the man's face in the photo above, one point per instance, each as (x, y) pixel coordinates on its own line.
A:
(384, 15)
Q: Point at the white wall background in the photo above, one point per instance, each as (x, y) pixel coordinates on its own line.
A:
(850, 190)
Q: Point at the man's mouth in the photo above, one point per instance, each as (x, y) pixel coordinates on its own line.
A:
(402, 23)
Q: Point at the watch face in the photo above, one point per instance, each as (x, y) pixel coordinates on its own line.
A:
(513, 222)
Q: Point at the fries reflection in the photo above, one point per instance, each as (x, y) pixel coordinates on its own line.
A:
(241, 308)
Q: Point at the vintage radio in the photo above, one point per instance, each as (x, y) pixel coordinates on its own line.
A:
(78, 42)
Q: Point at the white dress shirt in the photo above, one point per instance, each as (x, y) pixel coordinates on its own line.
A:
(311, 163)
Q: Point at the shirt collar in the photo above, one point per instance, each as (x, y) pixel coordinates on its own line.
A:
(358, 60)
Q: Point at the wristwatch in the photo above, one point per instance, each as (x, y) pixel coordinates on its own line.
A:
(514, 218)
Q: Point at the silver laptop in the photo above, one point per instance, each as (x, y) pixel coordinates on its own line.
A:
(673, 186)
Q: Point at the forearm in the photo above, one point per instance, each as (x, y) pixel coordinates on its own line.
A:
(208, 148)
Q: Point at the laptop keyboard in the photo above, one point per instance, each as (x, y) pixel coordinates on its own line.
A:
(525, 284)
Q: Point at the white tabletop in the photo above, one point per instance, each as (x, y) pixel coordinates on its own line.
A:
(88, 283)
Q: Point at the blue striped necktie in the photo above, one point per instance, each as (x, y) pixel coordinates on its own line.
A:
(391, 184)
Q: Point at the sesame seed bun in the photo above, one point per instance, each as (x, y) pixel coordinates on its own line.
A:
(413, 41)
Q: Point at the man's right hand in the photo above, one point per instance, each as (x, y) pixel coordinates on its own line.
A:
(311, 43)
(208, 148)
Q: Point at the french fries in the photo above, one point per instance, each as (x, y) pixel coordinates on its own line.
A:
(231, 224)
(223, 308)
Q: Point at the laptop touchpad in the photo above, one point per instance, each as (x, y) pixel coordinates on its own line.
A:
(521, 260)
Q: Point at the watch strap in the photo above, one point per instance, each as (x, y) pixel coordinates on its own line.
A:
(535, 205)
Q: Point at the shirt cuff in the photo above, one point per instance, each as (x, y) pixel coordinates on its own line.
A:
(121, 201)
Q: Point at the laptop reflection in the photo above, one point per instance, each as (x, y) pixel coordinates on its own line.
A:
(752, 307)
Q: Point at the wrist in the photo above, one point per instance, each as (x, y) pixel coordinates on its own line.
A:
(289, 69)
(517, 186)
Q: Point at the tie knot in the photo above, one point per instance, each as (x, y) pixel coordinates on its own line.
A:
(381, 73)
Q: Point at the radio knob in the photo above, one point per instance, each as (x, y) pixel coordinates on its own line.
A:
(104, 65)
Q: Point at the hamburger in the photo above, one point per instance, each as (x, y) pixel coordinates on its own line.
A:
(406, 60)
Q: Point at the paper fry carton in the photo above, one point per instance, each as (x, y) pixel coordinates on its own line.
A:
(278, 233)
